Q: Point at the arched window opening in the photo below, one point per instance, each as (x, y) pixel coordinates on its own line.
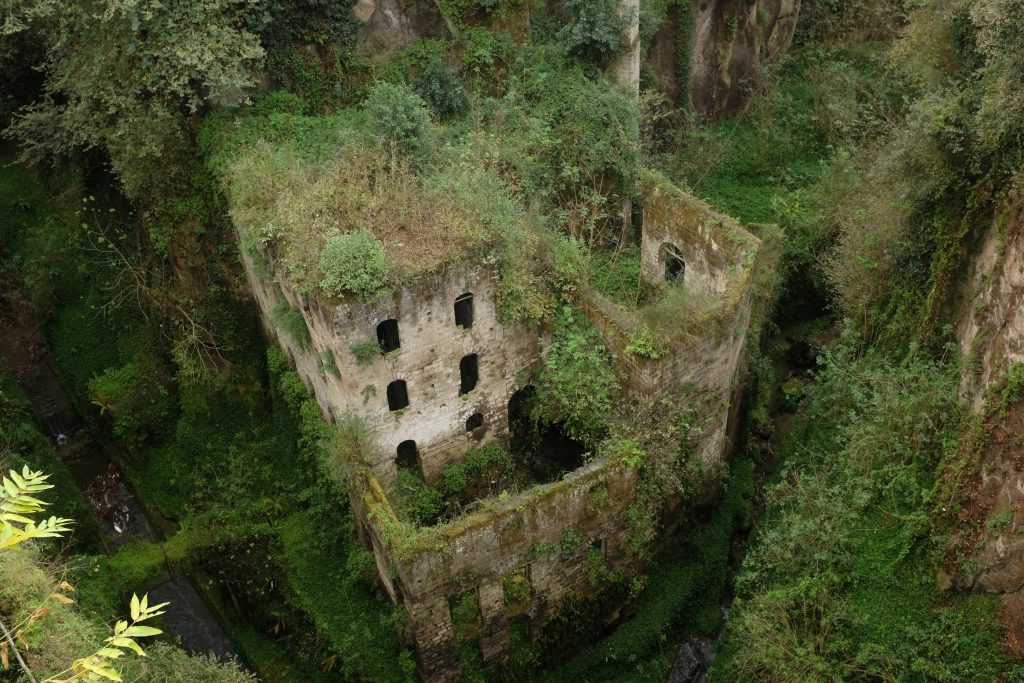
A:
(407, 456)
(387, 336)
(464, 311)
(675, 267)
(398, 395)
(469, 373)
(475, 422)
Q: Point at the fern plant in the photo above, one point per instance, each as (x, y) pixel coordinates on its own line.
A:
(17, 501)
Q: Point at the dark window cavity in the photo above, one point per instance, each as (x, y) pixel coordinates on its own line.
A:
(408, 457)
(469, 372)
(464, 311)
(398, 395)
(475, 421)
(675, 268)
(387, 336)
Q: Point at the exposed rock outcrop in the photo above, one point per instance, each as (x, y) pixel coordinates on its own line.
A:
(731, 41)
(988, 542)
(390, 25)
(990, 326)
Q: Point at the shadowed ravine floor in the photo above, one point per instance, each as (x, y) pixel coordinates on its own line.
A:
(122, 518)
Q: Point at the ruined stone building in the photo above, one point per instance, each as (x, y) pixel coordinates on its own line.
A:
(441, 383)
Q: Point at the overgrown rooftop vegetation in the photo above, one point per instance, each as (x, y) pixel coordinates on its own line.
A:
(528, 173)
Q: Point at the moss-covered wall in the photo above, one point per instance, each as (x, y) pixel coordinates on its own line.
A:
(554, 535)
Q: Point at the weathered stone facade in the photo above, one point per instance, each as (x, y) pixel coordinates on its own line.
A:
(551, 532)
(553, 536)
(718, 261)
(428, 360)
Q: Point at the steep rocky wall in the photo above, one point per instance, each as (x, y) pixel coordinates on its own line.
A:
(390, 25)
(987, 545)
(990, 317)
(732, 41)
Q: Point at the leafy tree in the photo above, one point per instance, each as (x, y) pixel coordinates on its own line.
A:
(577, 384)
(397, 116)
(597, 30)
(124, 76)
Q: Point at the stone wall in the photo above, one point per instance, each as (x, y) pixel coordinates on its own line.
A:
(552, 533)
(713, 247)
(548, 532)
(432, 346)
(720, 259)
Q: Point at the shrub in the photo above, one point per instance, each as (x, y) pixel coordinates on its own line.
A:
(355, 262)
(642, 342)
(465, 611)
(485, 460)
(442, 90)
(413, 499)
(366, 352)
(138, 407)
(577, 384)
(289, 321)
(168, 664)
(329, 363)
(597, 31)
(397, 116)
(515, 587)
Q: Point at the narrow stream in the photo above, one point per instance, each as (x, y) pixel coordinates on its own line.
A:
(115, 505)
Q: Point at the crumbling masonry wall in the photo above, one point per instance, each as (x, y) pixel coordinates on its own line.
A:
(720, 259)
(552, 534)
(432, 346)
(555, 533)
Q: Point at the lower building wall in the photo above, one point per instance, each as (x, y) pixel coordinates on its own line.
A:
(548, 532)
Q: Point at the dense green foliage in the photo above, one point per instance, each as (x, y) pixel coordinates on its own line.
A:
(881, 166)
(846, 591)
(413, 500)
(221, 453)
(442, 90)
(479, 462)
(577, 384)
(596, 32)
(355, 262)
(398, 116)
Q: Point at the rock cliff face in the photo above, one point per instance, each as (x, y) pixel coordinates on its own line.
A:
(990, 322)
(989, 536)
(731, 41)
(392, 24)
